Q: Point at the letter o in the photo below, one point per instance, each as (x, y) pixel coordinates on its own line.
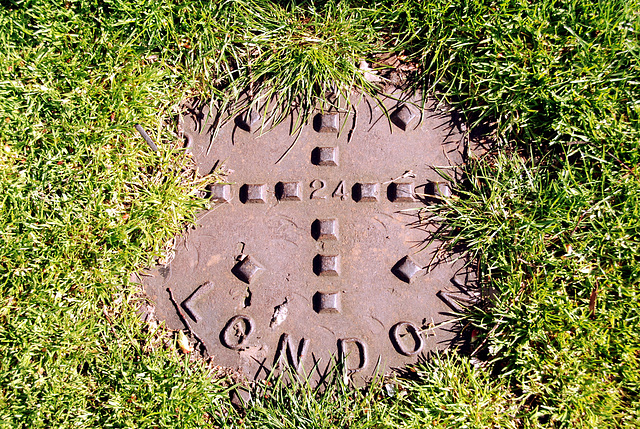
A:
(249, 327)
(399, 345)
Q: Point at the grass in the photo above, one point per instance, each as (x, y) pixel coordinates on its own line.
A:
(551, 215)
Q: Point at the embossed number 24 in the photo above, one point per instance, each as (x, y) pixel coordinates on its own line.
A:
(318, 186)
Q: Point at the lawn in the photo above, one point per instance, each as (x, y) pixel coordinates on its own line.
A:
(551, 215)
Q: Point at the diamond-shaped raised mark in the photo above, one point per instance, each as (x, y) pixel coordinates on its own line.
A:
(326, 123)
(253, 194)
(401, 192)
(325, 156)
(249, 120)
(406, 268)
(366, 192)
(327, 302)
(325, 229)
(220, 193)
(402, 117)
(289, 191)
(248, 270)
(326, 265)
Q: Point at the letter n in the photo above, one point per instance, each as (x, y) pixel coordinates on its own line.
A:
(286, 352)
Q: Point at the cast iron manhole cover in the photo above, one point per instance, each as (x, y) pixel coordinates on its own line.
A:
(321, 255)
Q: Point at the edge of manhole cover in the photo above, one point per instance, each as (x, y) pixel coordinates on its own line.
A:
(315, 251)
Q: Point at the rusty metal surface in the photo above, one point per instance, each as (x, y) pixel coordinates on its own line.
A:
(320, 255)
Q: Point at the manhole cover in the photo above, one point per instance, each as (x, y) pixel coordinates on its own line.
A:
(319, 255)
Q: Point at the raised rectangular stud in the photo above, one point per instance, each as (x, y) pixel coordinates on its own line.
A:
(366, 192)
(326, 123)
(253, 194)
(439, 189)
(248, 269)
(289, 191)
(401, 192)
(220, 192)
(402, 117)
(406, 269)
(326, 265)
(325, 229)
(326, 156)
(249, 121)
(327, 302)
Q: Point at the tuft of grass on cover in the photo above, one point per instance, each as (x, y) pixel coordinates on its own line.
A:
(446, 391)
(561, 326)
(279, 404)
(554, 223)
(293, 58)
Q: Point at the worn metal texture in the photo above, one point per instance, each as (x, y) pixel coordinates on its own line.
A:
(319, 255)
